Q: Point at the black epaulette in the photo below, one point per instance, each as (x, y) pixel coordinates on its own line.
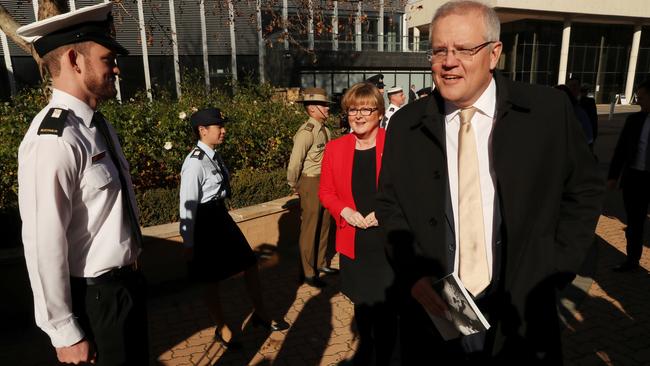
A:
(309, 127)
(54, 122)
(198, 154)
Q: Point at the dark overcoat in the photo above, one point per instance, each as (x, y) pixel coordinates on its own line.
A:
(549, 196)
(627, 147)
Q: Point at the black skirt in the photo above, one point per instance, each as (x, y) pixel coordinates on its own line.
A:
(220, 248)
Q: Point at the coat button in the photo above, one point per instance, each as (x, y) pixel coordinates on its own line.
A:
(451, 247)
(436, 174)
(433, 222)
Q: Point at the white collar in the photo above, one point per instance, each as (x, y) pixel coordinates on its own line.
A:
(80, 109)
(485, 104)
(206, 149)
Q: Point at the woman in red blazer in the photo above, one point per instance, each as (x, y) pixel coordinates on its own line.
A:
(348, 184)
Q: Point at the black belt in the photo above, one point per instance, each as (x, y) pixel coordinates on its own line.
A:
(114, 275)
(214, 203)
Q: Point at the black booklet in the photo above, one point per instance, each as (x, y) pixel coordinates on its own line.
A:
(463, 316)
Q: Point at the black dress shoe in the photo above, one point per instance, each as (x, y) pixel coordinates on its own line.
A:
(231, 345)
(315, 282)
(272, 325)
(626, 267)
(328, 270)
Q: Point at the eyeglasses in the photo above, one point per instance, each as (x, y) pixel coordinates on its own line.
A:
(464, 54)
(363, 111)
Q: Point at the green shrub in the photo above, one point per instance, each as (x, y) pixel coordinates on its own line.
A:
(15, 117)
(249, 187)
(158, 206)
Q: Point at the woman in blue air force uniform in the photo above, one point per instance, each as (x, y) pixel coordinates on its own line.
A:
(215, 247)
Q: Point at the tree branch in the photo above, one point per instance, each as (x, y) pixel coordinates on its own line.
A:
(50, 8)
(9, 26)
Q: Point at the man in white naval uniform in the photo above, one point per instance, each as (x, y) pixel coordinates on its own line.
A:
(396, 99)
(80, 223)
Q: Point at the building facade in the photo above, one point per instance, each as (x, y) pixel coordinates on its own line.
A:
(604, 43)
(329, 44)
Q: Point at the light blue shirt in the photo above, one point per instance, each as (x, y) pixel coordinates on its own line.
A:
(203, 179)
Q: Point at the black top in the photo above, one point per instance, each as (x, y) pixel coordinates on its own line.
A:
(366, 279)
(364, 186)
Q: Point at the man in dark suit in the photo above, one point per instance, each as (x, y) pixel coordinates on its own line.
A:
(631, 163)
(588, 104)
(525, 169)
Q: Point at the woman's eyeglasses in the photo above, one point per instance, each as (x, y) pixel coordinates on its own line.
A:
(363, 111)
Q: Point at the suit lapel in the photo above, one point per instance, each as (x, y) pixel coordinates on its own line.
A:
(433, 120)
(433, 126)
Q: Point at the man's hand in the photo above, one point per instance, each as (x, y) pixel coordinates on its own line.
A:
(424, 293)
(371, 220)
(80, 352)
(611, 184)
(354, 218)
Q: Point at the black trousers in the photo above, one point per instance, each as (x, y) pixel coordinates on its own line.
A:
(636, 196)
(113, 315)
(377, 326)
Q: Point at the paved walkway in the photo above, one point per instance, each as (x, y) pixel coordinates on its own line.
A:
(607, 313)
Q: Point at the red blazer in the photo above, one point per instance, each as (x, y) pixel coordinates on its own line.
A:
(335, 191)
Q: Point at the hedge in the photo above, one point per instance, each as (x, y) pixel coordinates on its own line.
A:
(250, 187)
(156, 137)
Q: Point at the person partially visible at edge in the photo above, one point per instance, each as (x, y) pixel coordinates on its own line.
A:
(631, 164)
(348, 187)
(412, 94)
(396, 99)
(489, 179)
(215, 247)
(303, 176)
(80, 221)
(581, 115)
(587, 103)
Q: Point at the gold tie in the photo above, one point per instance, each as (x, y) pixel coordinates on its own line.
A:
(472, 257)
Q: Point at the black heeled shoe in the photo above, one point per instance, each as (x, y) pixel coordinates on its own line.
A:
(272, 325)
(231, 345)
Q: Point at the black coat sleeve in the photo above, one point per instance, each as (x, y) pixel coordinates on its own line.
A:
(581, 200)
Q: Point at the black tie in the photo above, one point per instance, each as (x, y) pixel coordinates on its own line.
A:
(224, 174)
(100, 122)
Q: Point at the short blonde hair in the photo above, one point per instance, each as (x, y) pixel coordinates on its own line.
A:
(52, 59)
(363, 93)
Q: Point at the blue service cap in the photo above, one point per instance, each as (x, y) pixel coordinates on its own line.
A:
(207, 117)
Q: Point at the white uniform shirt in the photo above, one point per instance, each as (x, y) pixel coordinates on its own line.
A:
(74, 222)
(392, 108)
(482, 123)
(201, 180)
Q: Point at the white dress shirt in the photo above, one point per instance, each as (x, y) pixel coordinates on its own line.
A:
(201, 182)
(74, 222)
(482, 123)
(639, 162)
(392, 108)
